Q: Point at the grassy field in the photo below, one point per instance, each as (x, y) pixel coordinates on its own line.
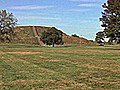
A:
(26, 67)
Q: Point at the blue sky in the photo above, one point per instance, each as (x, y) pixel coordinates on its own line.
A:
(71, 16)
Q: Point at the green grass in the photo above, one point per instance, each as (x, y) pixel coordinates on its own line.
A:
(26, 67)
(37, 41)
(32, 31)
(37, 31)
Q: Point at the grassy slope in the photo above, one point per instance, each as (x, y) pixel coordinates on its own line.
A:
(73, 68)
(25, 36)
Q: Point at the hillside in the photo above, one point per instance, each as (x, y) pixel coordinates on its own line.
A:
(25, 35)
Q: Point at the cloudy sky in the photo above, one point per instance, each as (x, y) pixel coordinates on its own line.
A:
(71, 16)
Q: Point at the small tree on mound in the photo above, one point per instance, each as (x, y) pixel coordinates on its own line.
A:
(7, 23)
(52, 36)
(75, 35)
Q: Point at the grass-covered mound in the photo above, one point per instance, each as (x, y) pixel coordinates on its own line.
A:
(25, 35)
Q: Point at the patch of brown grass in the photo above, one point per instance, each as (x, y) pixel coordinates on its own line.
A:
(25, 82)
(2, 53)
(23, 52)
(20, 60)
(54, 60)
(14, 59)
(92, 66)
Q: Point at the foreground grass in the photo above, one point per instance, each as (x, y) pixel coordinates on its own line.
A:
(25, 67)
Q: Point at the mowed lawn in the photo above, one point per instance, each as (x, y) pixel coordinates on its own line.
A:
(26, 67)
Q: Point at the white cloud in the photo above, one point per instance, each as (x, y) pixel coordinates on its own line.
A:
(88, 5)
(80, 10)
(30, 7)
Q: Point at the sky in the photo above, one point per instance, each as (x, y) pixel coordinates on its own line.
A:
(79, 17)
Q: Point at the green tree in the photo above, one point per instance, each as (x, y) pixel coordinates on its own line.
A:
(7, 23)
(52, 36)
(100, 37)
(111, 20)
(75, 35)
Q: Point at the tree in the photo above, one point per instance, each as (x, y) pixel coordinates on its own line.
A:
(111, 20)
(100, 37)
(75, 35)
(52, 36)
(7, 23)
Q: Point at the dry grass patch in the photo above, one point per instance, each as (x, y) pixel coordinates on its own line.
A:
(23, 52)
(98, 51)
(1, 83)
(20, 60)
(26, 82)
(92, 66)
(54, 60)
(93, 51)
(2, 53)
(106, 60)
(15, 59)
(63, 51)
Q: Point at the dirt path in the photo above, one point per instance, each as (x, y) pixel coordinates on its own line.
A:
(36, 35)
